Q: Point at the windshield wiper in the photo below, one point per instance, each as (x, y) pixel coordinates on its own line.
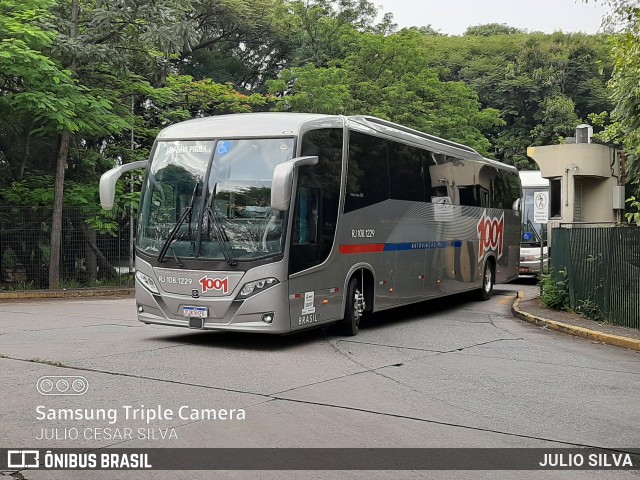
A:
(174, 231)
(218, 230)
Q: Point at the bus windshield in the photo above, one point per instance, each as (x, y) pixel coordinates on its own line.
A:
(203, 197)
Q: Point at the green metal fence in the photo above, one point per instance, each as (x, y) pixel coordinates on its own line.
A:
(602, 266)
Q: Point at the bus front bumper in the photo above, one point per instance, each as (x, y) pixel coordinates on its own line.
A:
(223, 313)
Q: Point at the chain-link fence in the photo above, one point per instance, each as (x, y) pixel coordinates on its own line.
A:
(88, 258)
(600, 267)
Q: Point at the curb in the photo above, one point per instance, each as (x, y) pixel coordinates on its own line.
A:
(75, 293)
(600, 337)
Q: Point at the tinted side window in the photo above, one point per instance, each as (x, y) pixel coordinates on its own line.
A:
(428, 161)
(406, 173)
(367, 172)
(500, 192)
(469, 195)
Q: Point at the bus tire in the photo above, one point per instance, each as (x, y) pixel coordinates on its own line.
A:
(353, 310)
(488, 280)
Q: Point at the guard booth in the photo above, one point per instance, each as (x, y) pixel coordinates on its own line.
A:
(585, 181)
(600, 266)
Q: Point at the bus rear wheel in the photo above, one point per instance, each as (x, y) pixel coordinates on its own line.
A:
(488, 280)
(354, 309)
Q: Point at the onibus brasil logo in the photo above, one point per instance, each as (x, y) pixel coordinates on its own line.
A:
(490, 234)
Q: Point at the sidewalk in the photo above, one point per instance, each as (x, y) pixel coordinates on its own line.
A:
(533, 311)
(67, 293)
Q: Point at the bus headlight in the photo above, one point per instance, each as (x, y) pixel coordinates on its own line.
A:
(147, 281)
(251, 288)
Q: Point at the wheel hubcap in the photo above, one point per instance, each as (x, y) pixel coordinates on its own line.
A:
(358, 306)
(488, 280)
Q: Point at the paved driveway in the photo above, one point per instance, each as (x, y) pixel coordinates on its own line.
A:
(447, 373)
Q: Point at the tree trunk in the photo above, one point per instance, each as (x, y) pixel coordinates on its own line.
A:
(107, 270)
(61, 166)
(56, 228)
(90, 256)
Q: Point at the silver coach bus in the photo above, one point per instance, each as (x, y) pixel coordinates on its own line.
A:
(276, 222)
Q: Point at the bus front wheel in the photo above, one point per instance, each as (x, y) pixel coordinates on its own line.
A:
(488, 280)
(353, 309)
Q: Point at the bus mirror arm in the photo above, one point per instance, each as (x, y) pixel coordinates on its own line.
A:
(108, 182)
(282, 182)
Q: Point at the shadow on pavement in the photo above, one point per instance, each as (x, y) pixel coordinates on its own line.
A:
(393, 318)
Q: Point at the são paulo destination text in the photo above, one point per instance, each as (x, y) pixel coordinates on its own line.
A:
(146, 414)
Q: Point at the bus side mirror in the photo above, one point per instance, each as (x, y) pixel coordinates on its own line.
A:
(108, 182)
(516, 204)
(282, 182)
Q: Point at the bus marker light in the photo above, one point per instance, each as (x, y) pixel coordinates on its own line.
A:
(325, 301)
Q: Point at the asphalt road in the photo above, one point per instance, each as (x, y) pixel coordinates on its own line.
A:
(449, 373)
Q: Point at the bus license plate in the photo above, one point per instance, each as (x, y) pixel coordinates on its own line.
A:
(195, 312)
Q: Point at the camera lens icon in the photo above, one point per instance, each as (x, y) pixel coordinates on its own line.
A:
(62, 385)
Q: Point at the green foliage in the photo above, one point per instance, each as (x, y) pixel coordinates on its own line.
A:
(634, 216)
(144, 64)
(9, 259)
(589, 309)
(542, 85)
(124, 280)
(38, 190)
(491, 29)
(624, 86)
(556, 120)
(554, 290)
(387, 77)
(20, 286)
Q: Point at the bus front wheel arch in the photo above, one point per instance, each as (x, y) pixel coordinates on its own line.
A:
(355, 304)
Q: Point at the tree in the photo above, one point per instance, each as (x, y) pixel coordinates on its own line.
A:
(386, 76)
(490, 29)
(555, 120)
(625, 82)
(38, 91)
(528, 78)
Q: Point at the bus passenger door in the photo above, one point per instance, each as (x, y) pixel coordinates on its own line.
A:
(305, 238)
(311, 298)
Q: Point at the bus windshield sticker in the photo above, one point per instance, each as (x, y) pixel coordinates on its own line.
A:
(223, 147)
(443, 209)
(308, 303)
